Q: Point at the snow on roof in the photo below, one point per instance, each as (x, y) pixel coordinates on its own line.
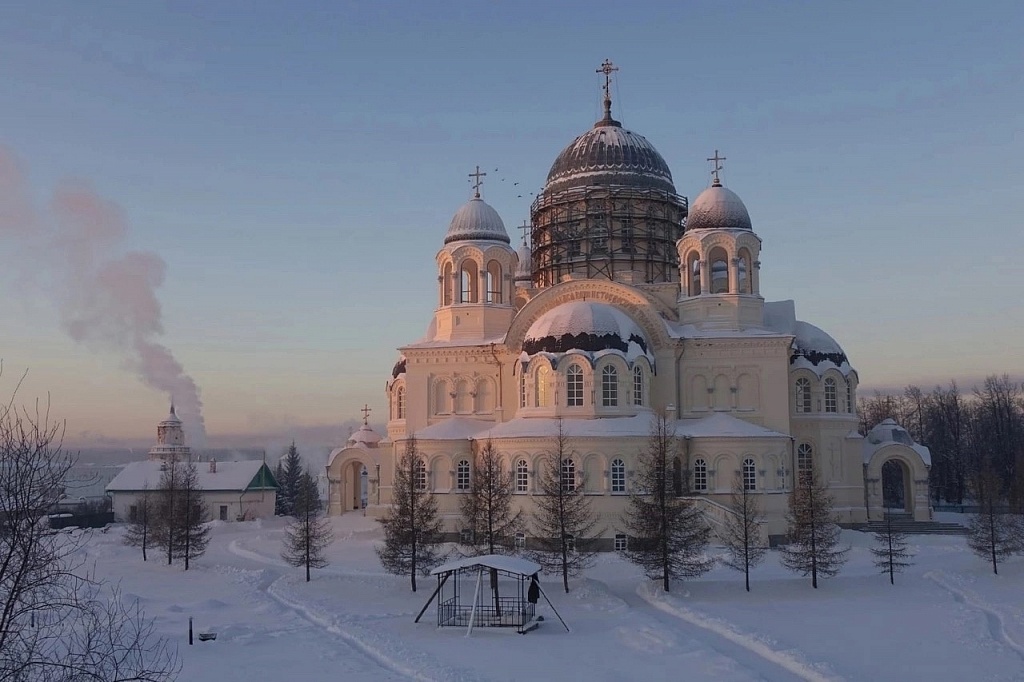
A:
(499, 562)
(889, 433)
(722, 425)
(814, 349)
(365, 436)
(139, 476)
(547, 427)
(454, 428)
(584, 317)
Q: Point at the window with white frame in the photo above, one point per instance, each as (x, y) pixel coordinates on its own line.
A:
(520, 540)
(541, 389)
(804, 463)
(700, 475)
(849, 396)
(462, 475)
(568, 475)
(420, 474)
(803, 395)
(522, 476)
(400, 403)
(620, 542)
(522, 389)
(570, 542)
(749, 475)
(574, 386)
(609, 387)
(638, 385)
(618, 476)
(467, 536)
(831, 395)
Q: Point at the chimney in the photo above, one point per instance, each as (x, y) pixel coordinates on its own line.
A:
(213, 465)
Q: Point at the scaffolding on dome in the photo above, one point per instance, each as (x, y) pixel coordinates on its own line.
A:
(606, 231)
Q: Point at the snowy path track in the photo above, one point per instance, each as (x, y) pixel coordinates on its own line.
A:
(993, 618)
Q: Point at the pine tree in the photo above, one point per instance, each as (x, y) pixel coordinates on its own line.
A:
(139, 530)
(563, 519)
(194, 534)
(813, 532)
(307, 534)
(742, 531)
(667, 535)
(992, 533)
(487, 509)
(289, 482)
(279, 500)
(412, 527)
(891, 553)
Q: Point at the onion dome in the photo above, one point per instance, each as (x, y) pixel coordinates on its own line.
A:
(524, 271)
(585, 326)
(608, 154)
(718, 207)
(476, 221)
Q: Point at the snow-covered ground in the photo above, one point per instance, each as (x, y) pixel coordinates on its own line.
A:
(947, 618)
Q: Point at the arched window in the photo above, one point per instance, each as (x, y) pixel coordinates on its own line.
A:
(804, 463)
(574, 386)
(749, 475)
(522, 476)
(618, 476)
(638, 385)
(420, 474)
(719, 271)
(446, 284)
(494, 282)
(541, 389)
(849, 396)
(568, 476)
(400, 403)
(744, 272)
(693, 268)
(803, 395)
(700, 475)
(470, 283)
(609, 387)
(462, 475)
(831, 396)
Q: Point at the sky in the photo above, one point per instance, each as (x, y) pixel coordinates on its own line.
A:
(248, 196)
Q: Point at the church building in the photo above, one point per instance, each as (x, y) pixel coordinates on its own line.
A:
(628, 301)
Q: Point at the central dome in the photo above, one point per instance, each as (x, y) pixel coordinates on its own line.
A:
(608, 154)
(586, 326)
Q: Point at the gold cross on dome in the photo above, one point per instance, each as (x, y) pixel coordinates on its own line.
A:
(716, 159)
(476, 185)
(366, 414)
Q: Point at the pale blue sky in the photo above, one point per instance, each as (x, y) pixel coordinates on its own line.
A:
(296, 166)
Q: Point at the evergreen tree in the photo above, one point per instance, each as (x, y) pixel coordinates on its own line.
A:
(289, 482)
(891, 553)
(742, 531)
(139, 530)
(279, 503)
(563, 518)
(813, 532)
(412, 527)
(487, 509)
(194, 534)
(667, 535)
(307, 533)
(992, 533)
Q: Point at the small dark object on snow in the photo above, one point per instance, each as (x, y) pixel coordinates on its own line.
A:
(206, 636)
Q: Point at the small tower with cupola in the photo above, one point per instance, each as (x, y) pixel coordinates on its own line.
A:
(718, 261)
(170, 440)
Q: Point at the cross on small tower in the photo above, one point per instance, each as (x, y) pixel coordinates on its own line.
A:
(607, 68)
(716, 159)
(366, 414)
(526, 227)
(476, 185)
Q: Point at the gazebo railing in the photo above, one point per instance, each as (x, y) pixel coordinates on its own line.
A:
(509, 612)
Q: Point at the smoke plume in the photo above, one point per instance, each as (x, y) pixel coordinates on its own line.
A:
(105, 295)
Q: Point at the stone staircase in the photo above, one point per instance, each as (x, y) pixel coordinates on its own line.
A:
(905, 524)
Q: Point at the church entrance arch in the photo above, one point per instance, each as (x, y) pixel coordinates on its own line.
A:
(896, 487)
(354, 485)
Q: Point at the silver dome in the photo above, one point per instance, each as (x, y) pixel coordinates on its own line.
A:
(718, 207)
(476, 220)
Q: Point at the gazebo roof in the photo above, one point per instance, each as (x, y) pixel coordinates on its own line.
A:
(500, 562)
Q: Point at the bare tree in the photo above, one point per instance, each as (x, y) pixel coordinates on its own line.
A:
(192, 516)
(487, 509)
(742, 531)
(563, 520)
(412, 527)
(667, 536)
(307, 534)
(993, 533)
(813, 532)
(890, 551)
(57, 622)
(138, 533)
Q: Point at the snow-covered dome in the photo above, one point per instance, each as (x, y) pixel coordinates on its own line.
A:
(524, 271)
(718, 207)
(889, 432)
(365, 436)
(171, 418)
(586, 326)
(476, 220)
(814, 346)
(608, 154)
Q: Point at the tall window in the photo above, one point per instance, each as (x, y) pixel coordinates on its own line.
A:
(446, 284)
(620, 542)
(470, 283)
(522, 389)
(749, 475)
(694, 275)
(541, 390)
(700, 475)
(719, 271)
(609, 387)
(803, 395)
(568, 477)
(849, 396)
(743, 268)
(618, 476)
(400, 403)
(493, 282)
(574, 386)
(522, 476)
(420, 474)
(638, 385)
(804, 462)
(462, 475)
(831, 396)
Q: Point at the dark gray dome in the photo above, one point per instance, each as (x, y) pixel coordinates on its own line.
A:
(608, 154)
(718, 208)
